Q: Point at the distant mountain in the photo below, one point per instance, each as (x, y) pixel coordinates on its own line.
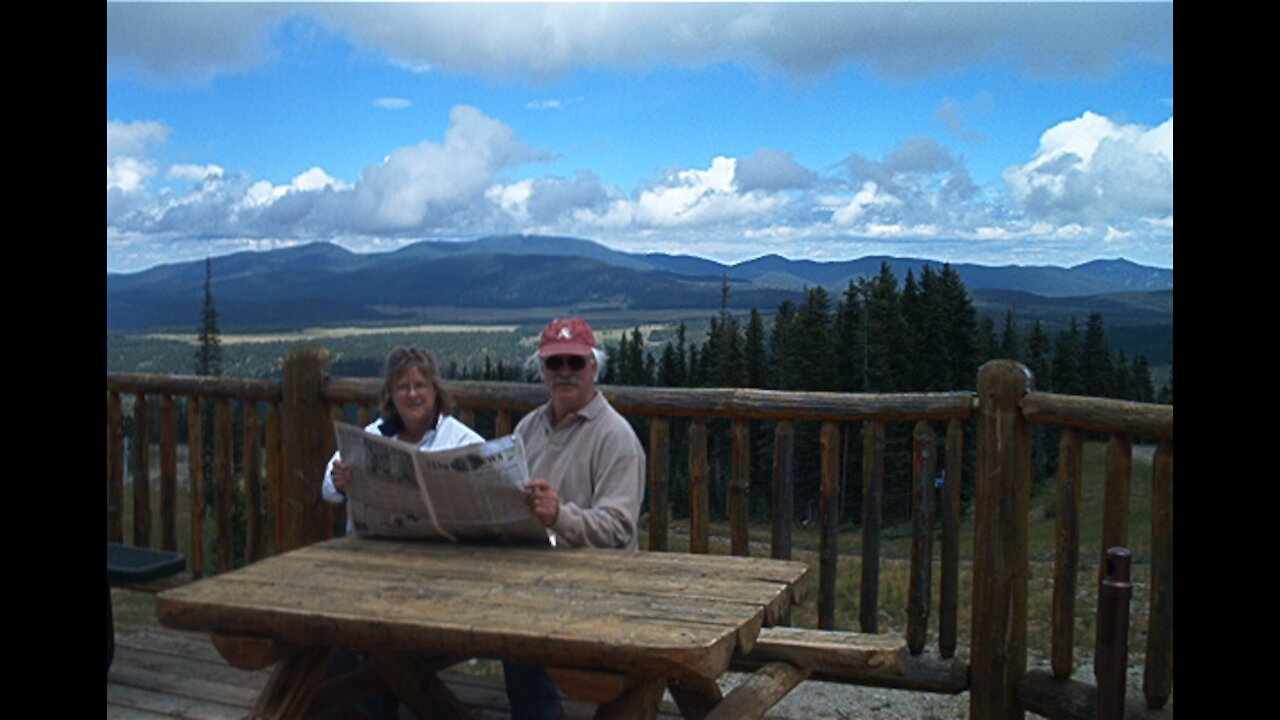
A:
(518, 275)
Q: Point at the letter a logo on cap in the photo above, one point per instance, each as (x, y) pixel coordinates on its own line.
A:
(572, 336)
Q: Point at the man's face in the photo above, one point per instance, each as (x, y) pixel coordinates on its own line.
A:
(570, 380)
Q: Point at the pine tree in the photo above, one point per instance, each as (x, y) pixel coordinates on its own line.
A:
(851, 340)
(1165, 395)
(1010, 341)
(781, 352)
(672, 367)
(914, 313)
(1097, 373)
(985, 340)
(959, 329)
(933, 353)
(722, 353)
(634, 371)
(1037, 359)
(1122, 386)
(1143, 389)
(1066, 361)
(813, 352)
(209, 352)
(886, 333)
(756, 363)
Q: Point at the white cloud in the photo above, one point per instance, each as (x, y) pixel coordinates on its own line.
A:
(422, 185)
(194, 172)
(189, 41)
(134, 138)
(1092, 169)
(869, 197)
(769, 169)
(128, 174)
(703, 197)
(128, 144)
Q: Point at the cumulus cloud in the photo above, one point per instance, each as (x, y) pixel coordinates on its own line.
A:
(1092, 168)
(546, 40)
(918, 183)
(772, 170)
(700, 197)
(134, 138)
(189, 41)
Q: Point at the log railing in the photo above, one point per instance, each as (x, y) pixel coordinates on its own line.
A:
(1053, 693)
(286, 454)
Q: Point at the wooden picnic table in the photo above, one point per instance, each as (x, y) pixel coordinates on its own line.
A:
(416, 607)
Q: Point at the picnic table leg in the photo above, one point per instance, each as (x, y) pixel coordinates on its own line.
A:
(638, 701)
(695, 698)
(293, 684)
(760, 691)
(412, 678)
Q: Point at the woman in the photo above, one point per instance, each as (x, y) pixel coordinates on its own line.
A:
(414, 408)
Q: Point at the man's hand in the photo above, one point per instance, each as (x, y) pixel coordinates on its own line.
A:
(341, 476)
(545, 500)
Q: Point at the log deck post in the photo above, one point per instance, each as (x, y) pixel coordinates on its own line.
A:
(1002, 496)
(304, 427)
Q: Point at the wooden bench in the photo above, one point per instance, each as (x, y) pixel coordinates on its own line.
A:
(780, 659)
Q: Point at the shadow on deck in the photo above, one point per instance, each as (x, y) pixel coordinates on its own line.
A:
(165, 673)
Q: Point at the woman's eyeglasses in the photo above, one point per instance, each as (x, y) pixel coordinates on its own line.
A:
(406, 388)
(555, 362)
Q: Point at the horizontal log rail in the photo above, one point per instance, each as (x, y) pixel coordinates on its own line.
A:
(1136, 419)
(195, 386)
(737, 403)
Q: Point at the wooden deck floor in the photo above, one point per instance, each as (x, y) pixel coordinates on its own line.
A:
(162, 673)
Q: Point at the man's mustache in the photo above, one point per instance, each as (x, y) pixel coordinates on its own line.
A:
(567, 381)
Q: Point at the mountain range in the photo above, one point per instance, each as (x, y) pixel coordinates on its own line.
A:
(526, 278)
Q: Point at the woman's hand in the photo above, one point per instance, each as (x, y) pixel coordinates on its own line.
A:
(545, 500)
(341, 476)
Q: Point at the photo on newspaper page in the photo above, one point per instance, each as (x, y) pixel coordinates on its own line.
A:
(475, 492)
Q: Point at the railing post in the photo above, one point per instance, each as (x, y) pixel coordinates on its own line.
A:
(872, 501)
(924, 469)
(141, 472)
(304, 427)
(784, 483)
(1157, 679)
(659, 483)
(1003, 486)
(1113, 634)
(739, 490)
(699, 499)
(829, 510)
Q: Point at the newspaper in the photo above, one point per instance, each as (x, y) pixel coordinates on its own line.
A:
(474, 492)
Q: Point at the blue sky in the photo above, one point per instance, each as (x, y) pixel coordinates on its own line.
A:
(1001, 133)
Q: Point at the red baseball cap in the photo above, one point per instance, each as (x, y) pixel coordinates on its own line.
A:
(566, 336)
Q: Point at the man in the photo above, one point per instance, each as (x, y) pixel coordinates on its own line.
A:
(588, 471)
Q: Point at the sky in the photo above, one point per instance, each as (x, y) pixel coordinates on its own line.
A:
(1036, 133)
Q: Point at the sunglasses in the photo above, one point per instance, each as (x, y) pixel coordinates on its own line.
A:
(555, 362)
